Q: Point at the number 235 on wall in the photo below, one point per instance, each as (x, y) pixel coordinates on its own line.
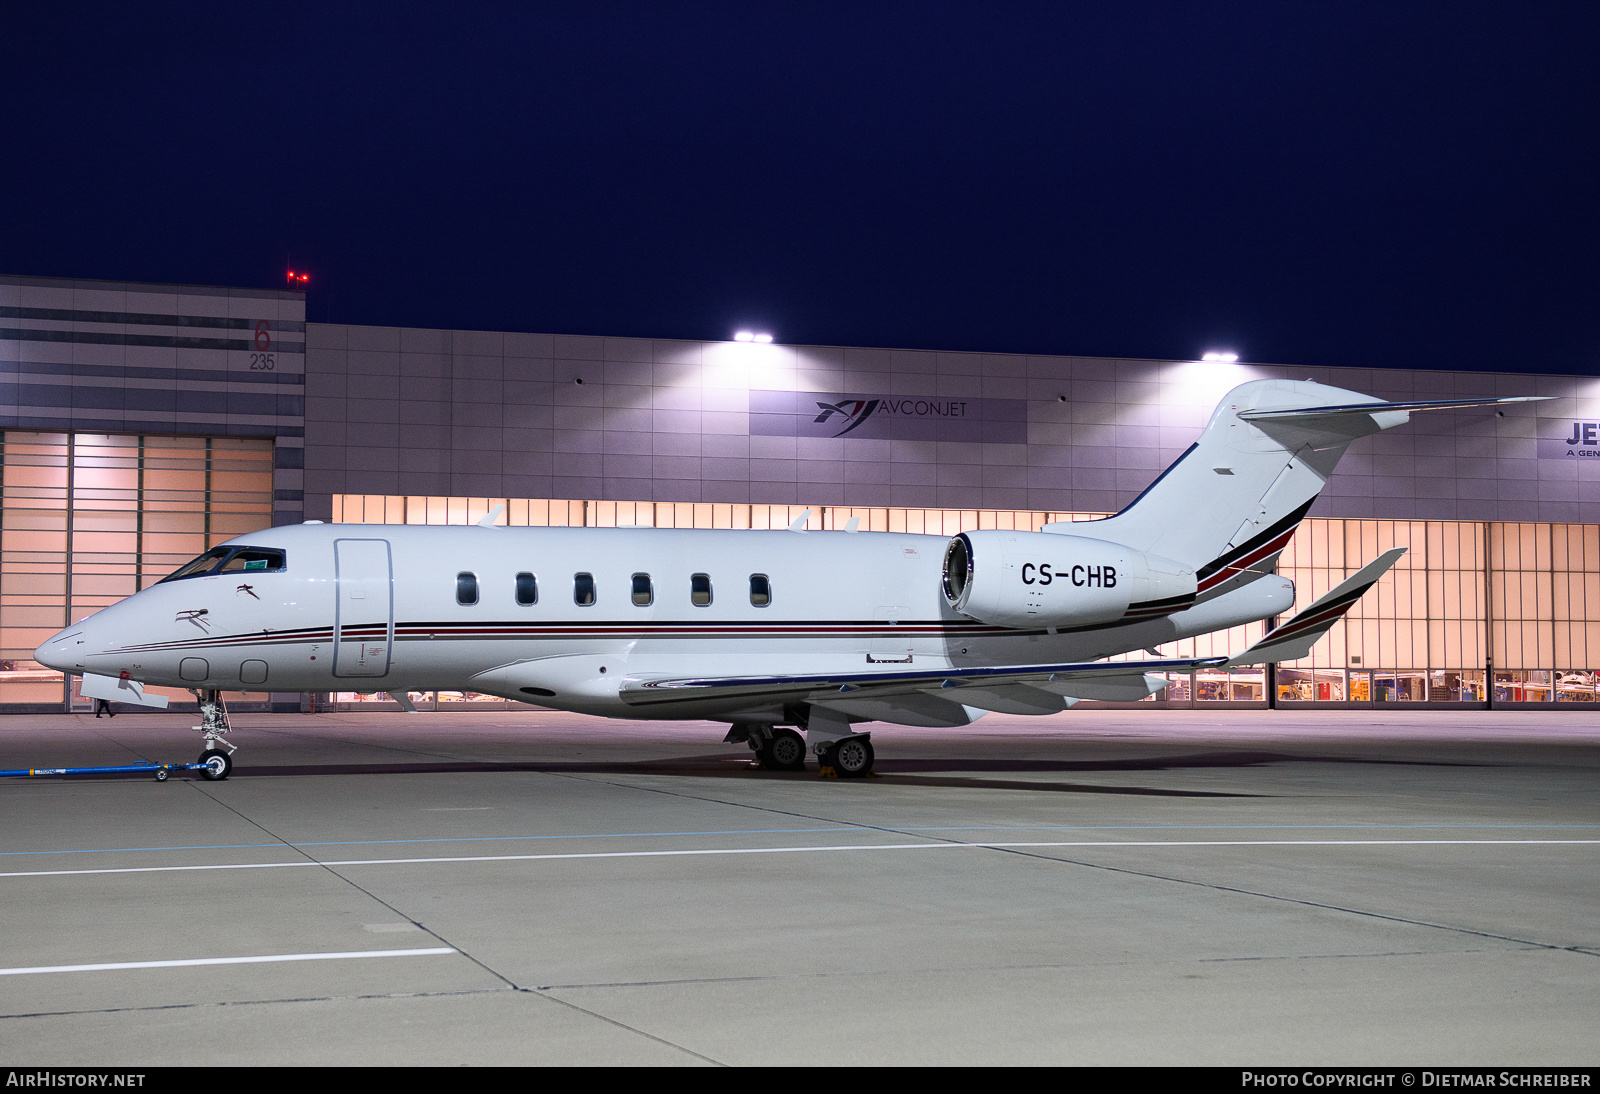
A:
(263, 361)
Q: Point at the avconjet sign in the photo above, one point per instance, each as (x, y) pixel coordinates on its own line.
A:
(888, 417)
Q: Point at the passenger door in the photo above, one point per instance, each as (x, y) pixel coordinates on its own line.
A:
(363, 627)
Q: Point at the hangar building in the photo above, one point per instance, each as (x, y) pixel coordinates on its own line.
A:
(141, 424)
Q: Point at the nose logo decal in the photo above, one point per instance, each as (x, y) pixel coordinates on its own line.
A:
(195, 616)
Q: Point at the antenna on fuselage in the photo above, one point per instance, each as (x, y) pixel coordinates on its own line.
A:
(488, 521)
(798, 524)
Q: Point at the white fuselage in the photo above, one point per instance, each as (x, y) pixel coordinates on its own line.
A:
(380, 608)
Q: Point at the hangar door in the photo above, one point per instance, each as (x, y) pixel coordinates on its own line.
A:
(363, 627)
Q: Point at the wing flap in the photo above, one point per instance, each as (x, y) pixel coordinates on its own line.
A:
(915, 709)
(1123, 687)
(1010, 699)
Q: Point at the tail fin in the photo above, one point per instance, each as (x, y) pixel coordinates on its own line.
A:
(1229, 504)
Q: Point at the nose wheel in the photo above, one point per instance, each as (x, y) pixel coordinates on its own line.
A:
(215, 764)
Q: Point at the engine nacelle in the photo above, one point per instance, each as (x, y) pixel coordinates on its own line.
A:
(1041, 579)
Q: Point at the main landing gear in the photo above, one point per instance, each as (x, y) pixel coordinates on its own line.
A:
(215, 764)
(848, 757)
(841, 752)
(779, 748)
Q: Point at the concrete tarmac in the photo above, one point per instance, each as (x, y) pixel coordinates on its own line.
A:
(526, 887)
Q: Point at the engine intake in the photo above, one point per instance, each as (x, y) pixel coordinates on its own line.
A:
(1042, 579)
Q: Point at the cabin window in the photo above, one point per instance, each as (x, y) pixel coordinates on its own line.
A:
(644, 593)
(760, 590)
(583, 590)
(527, 589)
(700, 590)
(466, 588)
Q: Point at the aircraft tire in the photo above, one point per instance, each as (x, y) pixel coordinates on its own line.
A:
(853, 757)
(217, 764)
(787, 752)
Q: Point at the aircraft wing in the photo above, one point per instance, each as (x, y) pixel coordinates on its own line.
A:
(937, 696)
(926, 697)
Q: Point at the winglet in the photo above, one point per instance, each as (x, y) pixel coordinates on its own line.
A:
(798, 524)
(494, 515)
(1296, 637)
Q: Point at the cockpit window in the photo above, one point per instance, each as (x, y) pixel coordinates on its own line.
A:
(228, 560)
(252, 558)
(202, 565)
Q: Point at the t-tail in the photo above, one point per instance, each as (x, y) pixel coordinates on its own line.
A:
(1228, 506)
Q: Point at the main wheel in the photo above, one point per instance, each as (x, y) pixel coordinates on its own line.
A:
(787, 752)
(852, 757)
(215, 764)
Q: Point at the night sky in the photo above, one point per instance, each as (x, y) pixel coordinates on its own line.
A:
(1411, 185)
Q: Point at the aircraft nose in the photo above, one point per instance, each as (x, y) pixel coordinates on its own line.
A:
(63, 652)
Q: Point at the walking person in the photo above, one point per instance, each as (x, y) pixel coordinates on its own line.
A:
(105, 705)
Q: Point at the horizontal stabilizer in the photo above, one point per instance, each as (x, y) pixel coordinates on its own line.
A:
(1296, 637)
(113, 690)
(1300, 413)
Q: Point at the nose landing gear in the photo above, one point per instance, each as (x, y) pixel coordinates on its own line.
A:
(215, 764)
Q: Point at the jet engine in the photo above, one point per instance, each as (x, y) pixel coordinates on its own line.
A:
(1042, 579)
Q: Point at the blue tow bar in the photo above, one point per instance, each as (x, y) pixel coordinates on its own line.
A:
(161, 771)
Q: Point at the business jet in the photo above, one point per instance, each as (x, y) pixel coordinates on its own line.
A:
(798, 639)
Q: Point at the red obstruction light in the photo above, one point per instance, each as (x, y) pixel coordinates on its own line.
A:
(298, 279)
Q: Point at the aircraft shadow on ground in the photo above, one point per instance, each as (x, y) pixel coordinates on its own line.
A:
(955, 772)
